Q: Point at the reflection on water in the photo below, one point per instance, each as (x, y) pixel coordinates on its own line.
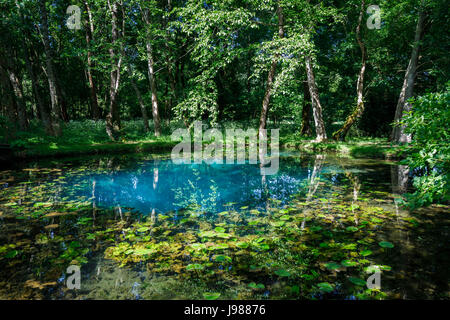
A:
(145, 228)
(163, 186)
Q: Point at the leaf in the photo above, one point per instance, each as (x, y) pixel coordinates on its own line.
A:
(325, 286)
(220, 229)
(385, 244)
(351, 229)
(365, 253)
(143, 251)
(211, 295)
(349, 263)
(357, 281)
(282, 273)
(194, 266)
(198, 246)
(253, 285)
(332, 265)
(12, 254)
(242, 245)
(223, 235)
(223, 258)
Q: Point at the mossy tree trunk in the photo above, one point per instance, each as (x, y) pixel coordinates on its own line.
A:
(357, 113)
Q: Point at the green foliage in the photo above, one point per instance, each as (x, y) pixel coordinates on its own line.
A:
(429, 157)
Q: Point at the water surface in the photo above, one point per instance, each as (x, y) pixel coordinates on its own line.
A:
(142, 227)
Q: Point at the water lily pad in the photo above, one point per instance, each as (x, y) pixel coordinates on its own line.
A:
(223, 235)
(365, 253)
(253, 285)
(207, 234)
(357, 281)
(194, 266)
(198, 246)
(385, 244)
(325, 287)
(143, 251)
(282, 273)
(211, 295)
(332, 265)
(222, 258)
(242, 245)
(12, 254)
(349, 263)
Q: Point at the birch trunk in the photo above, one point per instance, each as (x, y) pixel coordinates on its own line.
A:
(271, 76)
(398, 133)
(321, 134)
(151, 77)
(54, 97)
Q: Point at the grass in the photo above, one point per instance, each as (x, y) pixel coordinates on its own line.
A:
(378, 148)
(89, 137)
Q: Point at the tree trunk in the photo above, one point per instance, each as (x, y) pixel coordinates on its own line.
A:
(321, 134)
(113, 117)
(141, 101)
(306, 111)
(20, 103)
(7, 98)
(151, 77)
(398, 135)
(356, 114)
(34, 81)
(54, 97)
(271, 76)
(95, 110)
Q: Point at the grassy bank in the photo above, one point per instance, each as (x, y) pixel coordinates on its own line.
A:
(89, 137)
(378, 148)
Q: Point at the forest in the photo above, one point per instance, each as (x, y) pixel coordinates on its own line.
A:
(87, 87)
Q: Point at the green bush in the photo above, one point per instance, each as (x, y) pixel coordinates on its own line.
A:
(428, 123)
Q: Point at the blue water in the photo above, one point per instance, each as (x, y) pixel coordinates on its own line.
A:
(164, 186)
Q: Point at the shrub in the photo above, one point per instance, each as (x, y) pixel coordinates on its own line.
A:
(428, 123)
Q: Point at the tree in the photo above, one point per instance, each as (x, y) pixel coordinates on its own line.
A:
(115, 50)
(356, 114)
(271, 75)
(52, 81)
(151, 74)
(89, 26)
(403, 106)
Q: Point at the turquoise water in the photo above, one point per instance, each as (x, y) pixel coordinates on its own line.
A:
(163, 186)
(142, 227)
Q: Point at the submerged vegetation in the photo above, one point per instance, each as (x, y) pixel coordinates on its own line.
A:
(323, 241)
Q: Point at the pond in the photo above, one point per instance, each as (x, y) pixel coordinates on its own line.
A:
(142, 227)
